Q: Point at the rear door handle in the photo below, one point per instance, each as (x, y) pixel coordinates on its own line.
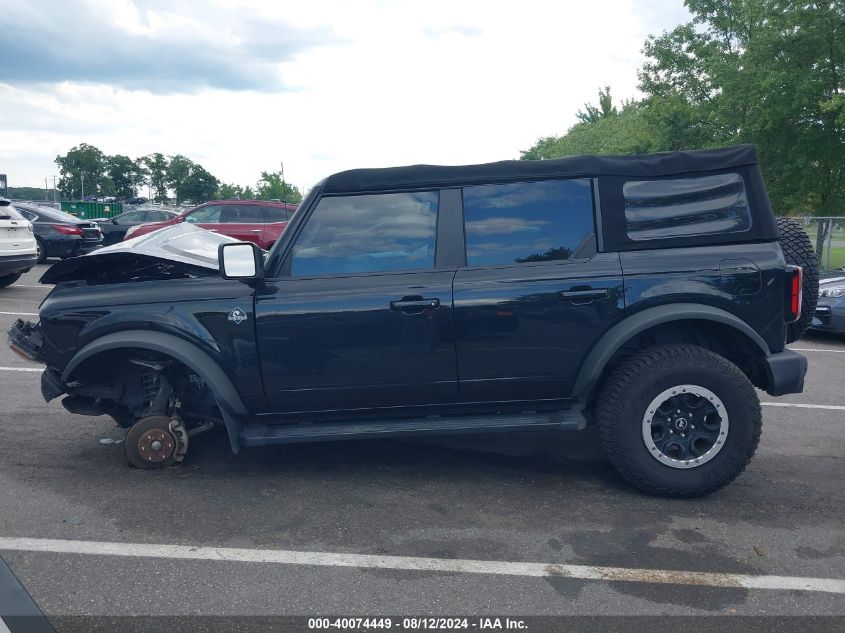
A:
(255, 230)
(415, 305)
(583, 295)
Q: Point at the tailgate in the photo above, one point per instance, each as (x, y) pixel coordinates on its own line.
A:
(15, 237)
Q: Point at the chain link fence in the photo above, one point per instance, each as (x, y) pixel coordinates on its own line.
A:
(828, 237)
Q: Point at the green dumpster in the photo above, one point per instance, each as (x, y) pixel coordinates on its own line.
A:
(90, 210)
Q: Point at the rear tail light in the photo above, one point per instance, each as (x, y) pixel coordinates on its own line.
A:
(794, 278)
(66, 229)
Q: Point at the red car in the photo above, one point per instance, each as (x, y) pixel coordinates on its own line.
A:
(256, 221)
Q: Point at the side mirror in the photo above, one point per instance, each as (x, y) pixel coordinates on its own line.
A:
(240, 260)
(114, 220)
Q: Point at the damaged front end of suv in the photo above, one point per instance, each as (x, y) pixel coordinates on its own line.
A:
(106, 333)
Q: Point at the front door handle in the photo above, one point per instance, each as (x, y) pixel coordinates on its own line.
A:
(255, 230)
(407, 304)
(585, 295)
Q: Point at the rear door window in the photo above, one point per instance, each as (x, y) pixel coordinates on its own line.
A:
(275, 214)
(526, 222)
(368, 233)
(658, 209)
(241, 214)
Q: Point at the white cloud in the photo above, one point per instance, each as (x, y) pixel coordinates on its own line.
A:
(395, 83)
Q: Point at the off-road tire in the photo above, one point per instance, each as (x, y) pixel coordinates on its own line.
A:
(640, 378)
(137, 431)
(798, 250)
(8, 280)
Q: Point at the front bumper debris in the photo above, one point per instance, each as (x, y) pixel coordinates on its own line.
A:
(51, 384)
(26, 341)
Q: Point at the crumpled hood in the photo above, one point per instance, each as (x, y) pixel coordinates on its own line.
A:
(177, 251)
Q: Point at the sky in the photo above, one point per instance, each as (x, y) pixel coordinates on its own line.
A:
(241, 86)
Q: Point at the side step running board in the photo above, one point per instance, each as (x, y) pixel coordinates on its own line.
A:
(257, 434)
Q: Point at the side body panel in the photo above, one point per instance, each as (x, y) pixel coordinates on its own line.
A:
(746, 280)
(195, 310)
(330, 343)
(519, 338)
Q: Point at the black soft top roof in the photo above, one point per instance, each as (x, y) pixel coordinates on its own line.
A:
(639, 165)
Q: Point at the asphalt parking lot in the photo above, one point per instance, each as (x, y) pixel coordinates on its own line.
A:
(533, 501)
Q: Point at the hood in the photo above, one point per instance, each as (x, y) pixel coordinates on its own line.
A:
(175, 252)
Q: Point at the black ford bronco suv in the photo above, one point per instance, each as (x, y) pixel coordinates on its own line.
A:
(646, 295)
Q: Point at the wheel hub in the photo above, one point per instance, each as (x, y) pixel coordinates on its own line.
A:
(685, 426)
(156, 445)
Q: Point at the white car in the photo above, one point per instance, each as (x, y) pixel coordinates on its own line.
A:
(17, 244)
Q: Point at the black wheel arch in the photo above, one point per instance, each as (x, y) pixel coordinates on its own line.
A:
(609, 345)
(228, 399)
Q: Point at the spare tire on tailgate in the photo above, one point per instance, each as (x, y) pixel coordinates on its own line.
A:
(798, 250)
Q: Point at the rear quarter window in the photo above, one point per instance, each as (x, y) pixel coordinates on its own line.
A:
(684, 207)
(275, 214)
(8, 212)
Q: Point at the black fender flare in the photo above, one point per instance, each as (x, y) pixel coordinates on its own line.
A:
(619, 334)
(231, 405)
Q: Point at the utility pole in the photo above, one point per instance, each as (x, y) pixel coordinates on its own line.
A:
(54, 188)
(284, 186)
(46, 188)
(83, 187)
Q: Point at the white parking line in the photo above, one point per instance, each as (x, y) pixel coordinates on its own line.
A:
(817, 349)
(47, 286)
(829, 407)
(412, 563)
(20, 369)
(20, 313)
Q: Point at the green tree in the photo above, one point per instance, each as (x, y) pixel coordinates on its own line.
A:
(82, 163)
(123, 173)
(272, 186)
(604, 109)
(157, 173)
(767, 72)
(602, 130)
(178, 171)
(232, 191)
(198, 185)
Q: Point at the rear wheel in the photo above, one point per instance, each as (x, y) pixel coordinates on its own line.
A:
(798, 251)
(678, 420)
(8, 280)
(40, 251)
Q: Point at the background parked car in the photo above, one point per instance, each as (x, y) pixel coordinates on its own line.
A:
(17, 244)
(830, 309)
(59, 234)
(258, 221)
(114, 229)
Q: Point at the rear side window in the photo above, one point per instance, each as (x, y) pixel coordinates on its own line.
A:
(241, 214)
(369, 233)
(529, 222)
(9, 212)
(657, 209)
(275, 214)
